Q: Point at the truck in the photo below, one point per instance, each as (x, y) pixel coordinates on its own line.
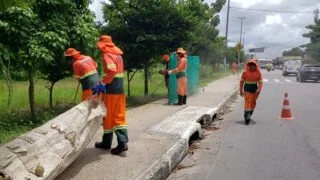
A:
(291, 67)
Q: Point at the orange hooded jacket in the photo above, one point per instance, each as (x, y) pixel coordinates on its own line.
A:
(251, 81)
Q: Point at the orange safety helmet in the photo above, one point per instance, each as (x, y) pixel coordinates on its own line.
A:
(71, 52)
(166, 58)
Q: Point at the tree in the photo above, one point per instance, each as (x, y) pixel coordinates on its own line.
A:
(18, 30)
(68, 24)
(4, 4)
(146, 29)
(6, 67)
(38, 36)
(313, 48)
(293, 52)
(6, 55)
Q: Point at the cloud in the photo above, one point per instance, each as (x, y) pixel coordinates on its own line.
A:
(275, 31)
(273, 19)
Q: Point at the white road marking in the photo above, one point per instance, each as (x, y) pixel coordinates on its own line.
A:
(276, 80)
(288, 80)
(265, 80)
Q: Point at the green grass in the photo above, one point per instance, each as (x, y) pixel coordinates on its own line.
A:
(16, 120)
(209, 74)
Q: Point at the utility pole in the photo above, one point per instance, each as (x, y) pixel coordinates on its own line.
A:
(241, 19)
(226, 41)
(316, 15)
(244, 33)
(239, 53)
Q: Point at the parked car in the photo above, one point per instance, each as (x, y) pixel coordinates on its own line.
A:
(264, 66)
(308, 72)
(291, 67)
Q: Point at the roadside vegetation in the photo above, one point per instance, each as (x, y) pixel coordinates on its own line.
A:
(36, 81)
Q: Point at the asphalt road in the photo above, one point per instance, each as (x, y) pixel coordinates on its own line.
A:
(269, 148)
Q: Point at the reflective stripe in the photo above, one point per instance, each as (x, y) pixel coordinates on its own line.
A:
(115, 128)
(88, 74)
(109, 66)
(121, 75)
(108, 131)
(251, 82)
(120, 127)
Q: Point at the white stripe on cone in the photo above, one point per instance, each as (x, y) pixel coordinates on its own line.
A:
(286, 107)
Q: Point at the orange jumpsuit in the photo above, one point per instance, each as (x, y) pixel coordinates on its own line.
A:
(115, 100)
(181, 73)
(85, 70)
(234, 68)
(250, 83)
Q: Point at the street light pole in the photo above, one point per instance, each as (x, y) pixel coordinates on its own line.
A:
(241, 19)
(226, 41)
(244, 33)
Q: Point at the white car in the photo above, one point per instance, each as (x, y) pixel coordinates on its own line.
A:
(291, 67)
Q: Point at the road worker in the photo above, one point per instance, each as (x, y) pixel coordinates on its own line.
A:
(250, 87)
(115, 100)
(166, 59)
(85, 71)
(181, 74)
(234, 67)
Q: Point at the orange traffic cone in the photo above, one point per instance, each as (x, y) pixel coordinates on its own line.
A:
(286, 111)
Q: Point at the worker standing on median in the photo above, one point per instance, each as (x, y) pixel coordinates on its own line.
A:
(250, 87)
(181, 74)
(115, 100)
(85, 71)
(166, 59)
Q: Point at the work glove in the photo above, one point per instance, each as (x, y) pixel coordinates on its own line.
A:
(99, 88)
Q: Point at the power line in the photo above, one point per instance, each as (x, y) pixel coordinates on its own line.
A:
(274, 11)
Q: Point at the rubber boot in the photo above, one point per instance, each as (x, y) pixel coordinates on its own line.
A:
(106, 141)
(247, 117)
(184, 99)
(120, 148)
(180, 100)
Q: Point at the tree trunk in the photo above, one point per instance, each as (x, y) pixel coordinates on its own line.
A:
(51, 94)
(10, 88)
(146, 80)
(7, 76)
(31, 96)
(128, 79)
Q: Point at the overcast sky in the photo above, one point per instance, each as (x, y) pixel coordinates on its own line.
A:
(275, 31)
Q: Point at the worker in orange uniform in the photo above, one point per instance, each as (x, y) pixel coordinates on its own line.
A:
(250, 87)
(166, 59)
(181, 73)
(234, 67)
(115, 100)
(85, 71)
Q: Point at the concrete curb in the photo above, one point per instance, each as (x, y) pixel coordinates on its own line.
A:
(165, 165)
(213, 112)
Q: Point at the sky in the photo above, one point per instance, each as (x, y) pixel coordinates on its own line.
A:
(273, 30)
